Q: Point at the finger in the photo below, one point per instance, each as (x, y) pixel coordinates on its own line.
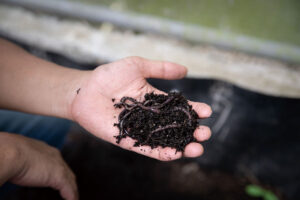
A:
(159, 153)
(168, 154)
(72, 180)
(202, 133)
(161, 69)
(193, 150)
(68, 193)
(203, 110)
(65, 182)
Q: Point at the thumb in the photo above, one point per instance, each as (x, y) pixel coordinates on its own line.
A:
(161, 69)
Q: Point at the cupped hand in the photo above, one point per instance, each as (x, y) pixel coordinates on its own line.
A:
(93, 108)
(37, 164)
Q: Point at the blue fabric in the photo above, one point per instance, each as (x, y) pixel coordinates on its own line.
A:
(51, 130)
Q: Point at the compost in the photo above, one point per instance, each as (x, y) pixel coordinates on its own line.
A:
(159, 120)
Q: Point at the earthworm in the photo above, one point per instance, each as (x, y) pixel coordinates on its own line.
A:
(161, 129)
(185, 112)
(165, 127)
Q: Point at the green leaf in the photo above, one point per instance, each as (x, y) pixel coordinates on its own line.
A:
(270, 196)
(254, 191)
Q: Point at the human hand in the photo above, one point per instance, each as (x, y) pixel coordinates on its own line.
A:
(93, 107)
(34, 163)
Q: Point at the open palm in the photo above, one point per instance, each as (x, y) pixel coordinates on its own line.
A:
(93, 108)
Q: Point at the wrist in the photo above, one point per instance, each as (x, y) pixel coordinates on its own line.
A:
(71, 88)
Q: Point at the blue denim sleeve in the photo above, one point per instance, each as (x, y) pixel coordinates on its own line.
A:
(48, 129)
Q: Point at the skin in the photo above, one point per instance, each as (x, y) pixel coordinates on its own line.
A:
(93, 102)
(32, 85)
(34, 163)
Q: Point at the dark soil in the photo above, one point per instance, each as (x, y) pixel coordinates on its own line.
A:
(159, 120)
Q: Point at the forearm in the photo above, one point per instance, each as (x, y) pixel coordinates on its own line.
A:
(33, 85)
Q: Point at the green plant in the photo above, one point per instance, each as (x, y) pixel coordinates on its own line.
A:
(257, 191)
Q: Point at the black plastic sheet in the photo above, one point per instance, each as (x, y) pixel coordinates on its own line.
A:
(253, 134)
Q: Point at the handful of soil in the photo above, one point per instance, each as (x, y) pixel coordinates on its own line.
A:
(160, 120)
